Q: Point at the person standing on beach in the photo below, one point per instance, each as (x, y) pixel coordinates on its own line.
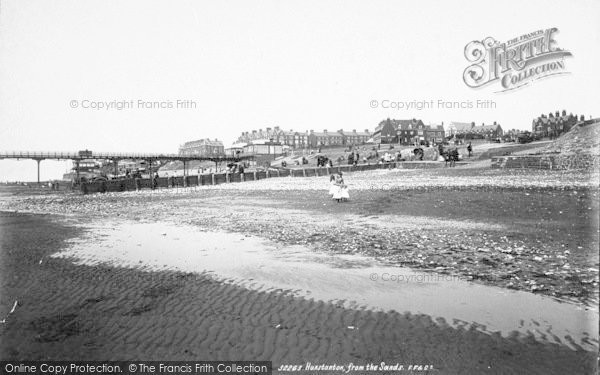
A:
(336, 189)
(453, 157)
(340, 193)
(332, 185)
(155, 181)
(470, 149)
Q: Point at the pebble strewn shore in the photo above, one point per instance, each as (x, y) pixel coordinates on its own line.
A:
(482, 243)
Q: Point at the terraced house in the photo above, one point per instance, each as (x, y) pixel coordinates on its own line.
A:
(312, 139)
(467, 130)
(554, 125)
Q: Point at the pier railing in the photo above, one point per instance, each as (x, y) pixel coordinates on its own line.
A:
(108, 155)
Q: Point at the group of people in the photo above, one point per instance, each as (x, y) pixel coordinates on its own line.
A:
(235, 168)
(324, 161)
(338, 188)
(450, 156)
(353, 158)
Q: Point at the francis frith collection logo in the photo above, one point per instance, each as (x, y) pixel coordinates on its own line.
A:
(515, 63)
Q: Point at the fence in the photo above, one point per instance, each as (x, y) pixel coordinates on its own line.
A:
(225, 178)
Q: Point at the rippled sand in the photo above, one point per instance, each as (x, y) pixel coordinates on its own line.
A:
(68, 311)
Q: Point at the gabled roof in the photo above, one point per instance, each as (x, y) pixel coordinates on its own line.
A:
(399, 124)
(485, 128)
(404, 124)
(461, 126)
(543, 120)
(489, 127)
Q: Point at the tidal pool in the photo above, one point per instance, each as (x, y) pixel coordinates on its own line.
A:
(355, 281)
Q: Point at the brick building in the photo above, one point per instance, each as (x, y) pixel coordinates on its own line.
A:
(312, 139)
(467, 130)
(407, 132)
(554, 125)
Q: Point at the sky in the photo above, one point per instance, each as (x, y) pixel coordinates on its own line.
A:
(242, 65)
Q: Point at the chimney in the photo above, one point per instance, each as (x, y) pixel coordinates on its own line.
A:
(311, 131)
(253, 131)
(324, 130)
(367, 131)
(353, 130)
(277, 128)
(268, 129)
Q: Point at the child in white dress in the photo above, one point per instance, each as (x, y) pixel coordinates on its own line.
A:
(332, 186)
(340, 193)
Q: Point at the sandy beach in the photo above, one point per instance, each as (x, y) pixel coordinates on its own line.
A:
(98, 301)
(299, 188)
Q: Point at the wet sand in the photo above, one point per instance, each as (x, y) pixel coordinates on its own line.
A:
(353, 281)
(68, 311)
(535, 231)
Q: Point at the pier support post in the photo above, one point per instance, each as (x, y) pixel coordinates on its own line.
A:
(116, 162)
(77, 171)
(38, 170)
(185, 182)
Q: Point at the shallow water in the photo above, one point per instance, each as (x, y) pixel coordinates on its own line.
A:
(356, 281)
